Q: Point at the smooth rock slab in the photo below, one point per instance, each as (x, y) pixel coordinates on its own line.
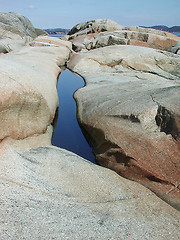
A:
(28, 95)
(15, 31)
(52, 193)
(130, 112)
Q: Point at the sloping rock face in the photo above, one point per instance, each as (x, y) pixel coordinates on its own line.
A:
(51, 193)
(101, 33)
(15, 31)
(51, 41)
(130, 112)
(176, 48)
(41, 32)
(94, 26)
(28, 96)
(48, 193)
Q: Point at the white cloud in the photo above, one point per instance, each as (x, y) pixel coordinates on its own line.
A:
(31, 7)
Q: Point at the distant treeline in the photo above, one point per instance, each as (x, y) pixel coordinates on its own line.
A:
(57, 30)
(165, 28)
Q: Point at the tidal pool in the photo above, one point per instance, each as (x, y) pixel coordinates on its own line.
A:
(67, 133)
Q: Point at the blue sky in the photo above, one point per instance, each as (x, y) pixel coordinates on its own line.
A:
(67, 13)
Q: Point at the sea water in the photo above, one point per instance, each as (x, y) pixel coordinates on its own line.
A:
(176, 33)
(68, 134)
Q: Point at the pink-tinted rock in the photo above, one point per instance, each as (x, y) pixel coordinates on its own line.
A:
(139, 43)
(162, 43)
(130, 112)
(51, 41)
(48, 192)
(51, 193)
(28, 96)
(89, 38)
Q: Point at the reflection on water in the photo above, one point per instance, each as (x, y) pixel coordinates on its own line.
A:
(68, 134)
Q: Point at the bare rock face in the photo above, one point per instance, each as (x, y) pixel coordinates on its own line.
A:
(176, 48)
(28, 96)
(48, 193)
(15, 31)
(17, 24)
(51, 41)
(92, 35)
(130, 112)
(41, 32)
(94, 26)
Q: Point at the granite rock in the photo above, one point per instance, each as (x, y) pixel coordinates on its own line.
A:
(15, 31)
(97, 25)
(175, 48)
(129, 111)
(50, 193)
(28, 96)
(41, 32)
(86, 37)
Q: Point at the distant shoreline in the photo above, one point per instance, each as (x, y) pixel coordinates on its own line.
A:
(64, 31)
(173, 29)
(57, 31)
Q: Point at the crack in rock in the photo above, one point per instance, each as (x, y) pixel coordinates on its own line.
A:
(165, 120)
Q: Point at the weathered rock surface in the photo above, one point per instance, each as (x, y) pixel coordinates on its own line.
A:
(94, 26)
(94, 34)
(130, 111)
(28, 96)
(51, 41)
(41, 32)
(15, 31)
(176, 48)
(52, 193)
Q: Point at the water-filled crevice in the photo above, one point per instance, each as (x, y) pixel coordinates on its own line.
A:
(67, 133)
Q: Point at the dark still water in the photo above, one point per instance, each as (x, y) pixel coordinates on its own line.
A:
(68, 134)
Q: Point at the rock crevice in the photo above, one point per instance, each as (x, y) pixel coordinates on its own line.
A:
(129, 116)
(132, 98)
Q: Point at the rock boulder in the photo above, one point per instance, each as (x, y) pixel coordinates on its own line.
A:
(129, 110)
(176, 48)
(94, 26)
(28, 93)
(48, 193)
(15, 31)
(91, 35)
(130, 114)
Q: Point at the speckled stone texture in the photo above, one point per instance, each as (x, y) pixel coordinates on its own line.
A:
(130, 112)
(15, 31)
(50, 193)
(28, 96)
(104, 32)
